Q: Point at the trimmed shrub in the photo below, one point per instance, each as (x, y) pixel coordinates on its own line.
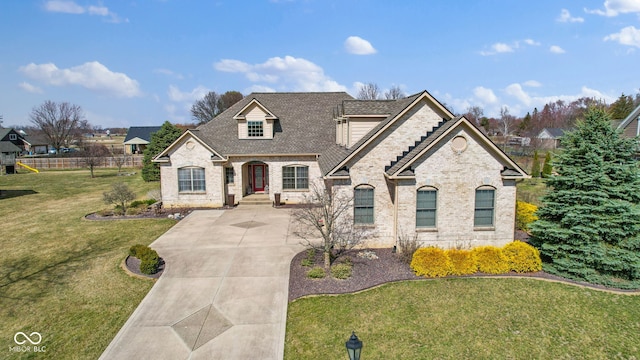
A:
(463, 262)
(310, 259)
(136, 250)
(522, 257)
(431, 262)
(525, 215)
(149, 259)
(491, 260)
(316, 273)
(341, 271)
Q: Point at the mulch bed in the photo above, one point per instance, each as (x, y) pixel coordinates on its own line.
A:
(133, 265)
(368, 273)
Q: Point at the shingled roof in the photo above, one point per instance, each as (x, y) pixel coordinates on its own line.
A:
(141, 132)
(335, 154)
(304, 124)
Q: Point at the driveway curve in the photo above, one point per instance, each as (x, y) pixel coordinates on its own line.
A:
(223, 294)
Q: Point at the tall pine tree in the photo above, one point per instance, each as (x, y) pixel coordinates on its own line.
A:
(589, 224)
(547, 168)
(160, 140)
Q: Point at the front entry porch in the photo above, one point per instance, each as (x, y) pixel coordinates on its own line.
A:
(256, 179)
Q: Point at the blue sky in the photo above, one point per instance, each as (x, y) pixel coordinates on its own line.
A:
(134, 63)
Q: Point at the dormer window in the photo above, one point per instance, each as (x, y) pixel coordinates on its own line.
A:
(255, 129)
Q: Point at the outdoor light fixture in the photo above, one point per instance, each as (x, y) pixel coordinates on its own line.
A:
(354, 346)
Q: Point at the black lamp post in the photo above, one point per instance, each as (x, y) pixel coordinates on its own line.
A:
(354, 346)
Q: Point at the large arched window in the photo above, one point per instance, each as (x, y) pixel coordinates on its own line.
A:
(426, 206)
(295, 177)
(363, 204)
(484, 208)
(191, 179)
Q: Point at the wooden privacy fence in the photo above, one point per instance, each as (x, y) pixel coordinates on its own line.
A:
(51, 163)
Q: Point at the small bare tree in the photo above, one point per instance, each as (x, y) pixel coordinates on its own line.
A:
(94, 155)
(326, 215)
(119, 160)
(394, 93)
(120, 194)
(369, 91)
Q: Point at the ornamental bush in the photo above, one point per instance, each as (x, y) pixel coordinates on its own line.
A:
(463, 262)
(137, 249)
(522, 257)
(316, 273)
(431, 262)
(491, 260)
(341, 271)
(149, 259)
(525, 215)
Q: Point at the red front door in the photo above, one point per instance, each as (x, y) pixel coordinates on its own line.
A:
(258, 177)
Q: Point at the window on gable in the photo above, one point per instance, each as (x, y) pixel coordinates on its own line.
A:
(295, 177)
(228, 175)
(191, 179)
(426, 205)
(255, 129)
(484, 208)
(13, 137)
(363, 205)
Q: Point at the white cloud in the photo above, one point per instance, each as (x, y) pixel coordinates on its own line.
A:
(516, 91)
(616, 7)
(358, 46)
(565, 16)
(556, 49)
(70, 7)
(30, 88)
(531, 42)
(91, 75)
(169, 73)
(485, 95)
(178, 96)
(532, 83)
(627, 36)
(289, 73)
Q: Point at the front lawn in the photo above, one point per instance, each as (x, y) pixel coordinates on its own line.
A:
(467, 318)
(59, 273)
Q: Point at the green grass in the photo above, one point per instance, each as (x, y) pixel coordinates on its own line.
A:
(59, 273)
(467, 319)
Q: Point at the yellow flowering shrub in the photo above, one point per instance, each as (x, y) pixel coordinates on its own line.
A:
(431, 262)
(491, 260)
(525, 215)
(522, 257)
(463, 262)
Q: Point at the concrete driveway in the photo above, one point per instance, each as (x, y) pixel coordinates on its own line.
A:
(223, 294)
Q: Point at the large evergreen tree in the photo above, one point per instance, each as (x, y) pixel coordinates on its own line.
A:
(589, 224)
(160, 140)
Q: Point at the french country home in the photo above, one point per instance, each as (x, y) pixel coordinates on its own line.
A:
(411, 166)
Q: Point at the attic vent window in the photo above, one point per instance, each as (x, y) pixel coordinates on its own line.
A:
(255, 129)
(459, 144)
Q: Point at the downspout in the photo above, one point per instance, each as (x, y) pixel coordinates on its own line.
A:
(395, 213)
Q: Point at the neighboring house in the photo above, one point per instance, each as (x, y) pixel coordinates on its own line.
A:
(36, 144)
(550, 138)
(137, 139)
(410, 165)
(10, 147)
(629, 126)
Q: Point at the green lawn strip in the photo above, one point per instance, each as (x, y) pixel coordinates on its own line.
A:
(467, 318)
(531, 190)
(59, 273)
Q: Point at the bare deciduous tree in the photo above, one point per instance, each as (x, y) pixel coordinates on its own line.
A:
(94, 154)
(59, 122)
(394, 93)
(326, 216)
(119, 160)
(369, 91)
(206, 108)
(120, 194)
(507, 121)
(227, 99)
(474, 114)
